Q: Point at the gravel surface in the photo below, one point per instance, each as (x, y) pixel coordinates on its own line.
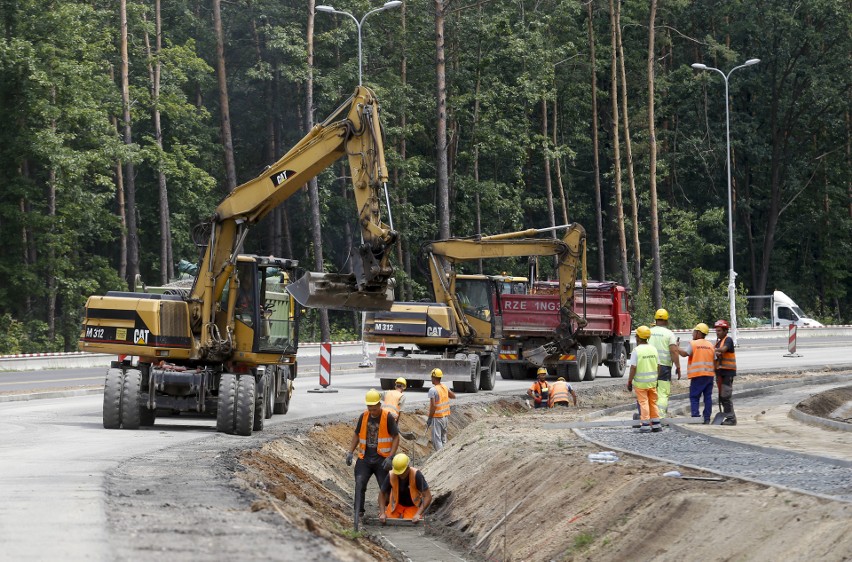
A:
(805, 473)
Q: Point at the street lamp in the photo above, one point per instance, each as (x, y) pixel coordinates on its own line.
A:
(732, 287)
(331, 10)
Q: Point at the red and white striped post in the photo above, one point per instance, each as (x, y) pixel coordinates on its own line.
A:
(324, 369)
(791, 342)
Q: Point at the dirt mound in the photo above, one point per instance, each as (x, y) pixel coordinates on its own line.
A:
(509, 487)
(825, 403)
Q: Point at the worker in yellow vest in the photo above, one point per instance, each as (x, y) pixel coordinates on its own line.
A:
(700, 370)
(376, 439)
(726, 370)
(405, 493)
(559, 392)
(644, 370)
(393, 400)
(667, 351)
(439, 409)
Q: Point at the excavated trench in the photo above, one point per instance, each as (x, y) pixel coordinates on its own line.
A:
(509, 488)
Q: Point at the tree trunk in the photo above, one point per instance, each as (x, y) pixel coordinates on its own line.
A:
(595, 147)
(404, 255)
(51, 248)
(129, 173)
(119, 201)
(628, 148)
(224, 104)
(313, 189)
(652, 168)
(616, 148)
(562, 197)
(548, 186)
(442, 173)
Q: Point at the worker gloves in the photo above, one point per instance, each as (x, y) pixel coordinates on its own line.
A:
(388, 463)
(349, 458)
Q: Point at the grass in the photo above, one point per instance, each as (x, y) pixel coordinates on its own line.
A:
(583, 540)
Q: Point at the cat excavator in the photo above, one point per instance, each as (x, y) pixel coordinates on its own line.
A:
(221, 347)
(460, 333)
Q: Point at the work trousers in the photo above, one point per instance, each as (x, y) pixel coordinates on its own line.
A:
(363, 471)
(664, 390)
(698, 387)
(401, 511)
(439, 432)
(726, 391)
(648, 412)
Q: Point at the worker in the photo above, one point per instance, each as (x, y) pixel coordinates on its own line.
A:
(644, 371)
(559, 392)
(439, 409)
(405, 493)
(539, 391)
(665, 342)
(376, 437)
(726, 370)
(393, 400)
(700, 370)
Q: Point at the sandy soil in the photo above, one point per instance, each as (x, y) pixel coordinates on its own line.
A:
(525, 492)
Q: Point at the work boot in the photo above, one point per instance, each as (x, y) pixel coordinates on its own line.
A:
(706, 422)
(656, 429)
(645, 428)
(729, 421)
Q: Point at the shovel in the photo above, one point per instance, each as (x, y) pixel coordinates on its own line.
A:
(720, 417)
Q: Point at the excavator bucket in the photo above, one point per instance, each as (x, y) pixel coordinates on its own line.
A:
(338, 291)
(537, 356)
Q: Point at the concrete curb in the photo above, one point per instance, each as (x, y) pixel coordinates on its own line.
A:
(51, 394)
(810, 419)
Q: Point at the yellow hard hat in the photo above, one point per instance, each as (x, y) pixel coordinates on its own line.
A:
(541, 370)
(561, 379)
(437, 373)
(643, 332)
(661, 314)
(702, 327)
(373, 397)
(401, 381)
(400, 463)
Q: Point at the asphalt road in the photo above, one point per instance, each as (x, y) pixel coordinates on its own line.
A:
(55, 453)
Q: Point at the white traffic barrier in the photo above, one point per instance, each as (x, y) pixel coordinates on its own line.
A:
(791, 342)
(325, 369)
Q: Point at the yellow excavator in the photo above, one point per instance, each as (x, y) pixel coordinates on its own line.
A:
(460, 332)
(220, 347)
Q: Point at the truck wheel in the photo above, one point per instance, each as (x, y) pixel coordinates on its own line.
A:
(130, 403)
(282, 399)
(112, 398)
(577, 369)
(387, 384)
(415, 384)
(270, 394)
(490, 375)
(592, 363)
(476, 374)
(261, 388)
(226, 405)
(619, 363)
(505, 371)
(246, 392)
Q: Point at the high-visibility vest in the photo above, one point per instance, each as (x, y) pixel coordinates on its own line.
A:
(660, 338)
(385, 443)
(391, 402)
(728, 360)
(701, 362)
(442, 407)
(543, 391)
(646, 366)
(412, 488)
(558, 393)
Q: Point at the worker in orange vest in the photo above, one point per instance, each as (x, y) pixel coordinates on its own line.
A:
(376, 439)
(726, 370)
(559, 392)
(405, 493)
(439, 410)
(393, 400)
(540, 391)
(700, 370)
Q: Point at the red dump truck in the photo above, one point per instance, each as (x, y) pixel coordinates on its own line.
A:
(530, 321)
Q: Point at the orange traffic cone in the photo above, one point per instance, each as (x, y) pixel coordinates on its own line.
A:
(383, 350)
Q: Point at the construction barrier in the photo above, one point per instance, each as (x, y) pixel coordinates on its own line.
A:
(383, 350)
(324, 369)
(791, 342)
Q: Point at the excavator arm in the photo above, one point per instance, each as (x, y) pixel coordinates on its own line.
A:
(352, 130)
(571, 257)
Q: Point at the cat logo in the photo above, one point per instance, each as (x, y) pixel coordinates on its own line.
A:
(281, 177)
(141, 336)
(433, 332)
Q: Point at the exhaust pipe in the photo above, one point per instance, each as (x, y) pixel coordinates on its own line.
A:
(338, 291)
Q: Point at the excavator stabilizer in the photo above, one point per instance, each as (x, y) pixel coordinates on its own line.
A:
(416, 367)
(338, 291)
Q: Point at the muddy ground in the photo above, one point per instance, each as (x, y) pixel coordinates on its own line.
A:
(524, 492)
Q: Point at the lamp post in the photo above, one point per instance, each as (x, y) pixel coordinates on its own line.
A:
(732, 286)
(358, 24)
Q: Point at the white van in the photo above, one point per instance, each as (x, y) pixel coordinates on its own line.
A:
(782, 311)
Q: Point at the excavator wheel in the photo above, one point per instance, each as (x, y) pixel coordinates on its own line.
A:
(269, 384)
(282, 399)
(112, 398)
(387, 384)
(476, 373)
(226, 406)
(489, 376)
(130, 401)
(246, 392)
(260, 391)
